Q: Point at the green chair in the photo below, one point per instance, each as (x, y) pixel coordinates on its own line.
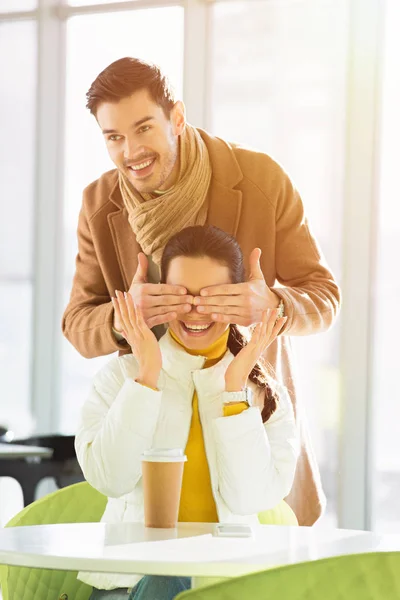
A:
(374, 576)
(78, 503)
(282, 514)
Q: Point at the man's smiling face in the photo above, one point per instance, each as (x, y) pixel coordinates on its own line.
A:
(142, 141)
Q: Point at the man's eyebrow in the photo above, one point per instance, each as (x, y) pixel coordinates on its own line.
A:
(133, 126)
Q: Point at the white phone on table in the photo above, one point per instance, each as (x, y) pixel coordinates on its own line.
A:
(241, 530)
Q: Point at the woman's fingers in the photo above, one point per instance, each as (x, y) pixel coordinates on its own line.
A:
(118, 310)
(260, 332)
(127, 312)
(272, 335)
(278, 326)
(265, 321)
(256, 337)
(123, 308)
(271, 321)
(267, 330)
(141, 323)
(268, 321)
(131, 308)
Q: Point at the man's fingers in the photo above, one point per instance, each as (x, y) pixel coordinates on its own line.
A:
(146, 300)
(255, 268)
(141, 271)
(227, 289)
(161, 319)
(171, 300)
(218, 300)
(161, 289)
(170, 290)
(163, 310)
(234, 319)
(223, 310)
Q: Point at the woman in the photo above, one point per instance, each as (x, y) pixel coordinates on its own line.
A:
(192, 389)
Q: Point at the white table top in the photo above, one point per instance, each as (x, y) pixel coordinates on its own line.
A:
(14, 451)
(189, 550)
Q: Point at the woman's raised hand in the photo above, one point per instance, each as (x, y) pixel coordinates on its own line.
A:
(141, 339)
(264, 334)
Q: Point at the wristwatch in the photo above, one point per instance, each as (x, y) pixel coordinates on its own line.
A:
(245, 395)
(281, 310)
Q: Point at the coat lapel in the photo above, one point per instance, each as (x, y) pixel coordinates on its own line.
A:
(126, 246)
(224, 202)
(224, 207)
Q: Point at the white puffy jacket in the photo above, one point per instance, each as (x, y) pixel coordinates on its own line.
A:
(252, 464)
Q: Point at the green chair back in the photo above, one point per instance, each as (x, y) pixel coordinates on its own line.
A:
(374, 576)
(78, 503)
(282, 514)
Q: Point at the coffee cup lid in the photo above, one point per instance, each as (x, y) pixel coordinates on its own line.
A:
(164, 455)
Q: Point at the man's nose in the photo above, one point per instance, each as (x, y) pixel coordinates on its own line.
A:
(130, 148)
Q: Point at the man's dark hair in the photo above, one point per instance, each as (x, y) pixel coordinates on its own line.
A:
(126, 76)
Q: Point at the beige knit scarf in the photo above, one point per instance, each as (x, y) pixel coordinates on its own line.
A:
(155, 219)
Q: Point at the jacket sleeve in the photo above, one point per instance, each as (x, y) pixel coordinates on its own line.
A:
(256, 461)
(309, 290)
(88, 318)
(117, 424)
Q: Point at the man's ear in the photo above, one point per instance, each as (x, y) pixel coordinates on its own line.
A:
(178, 117)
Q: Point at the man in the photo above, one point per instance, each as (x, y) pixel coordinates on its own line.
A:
(168, 176)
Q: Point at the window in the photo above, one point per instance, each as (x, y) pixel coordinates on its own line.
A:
(385, 396)
(86, 156)
(17, 184)
(278, 84)
(17, 5)
(89, 2)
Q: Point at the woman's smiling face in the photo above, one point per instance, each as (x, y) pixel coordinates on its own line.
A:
(197, 331)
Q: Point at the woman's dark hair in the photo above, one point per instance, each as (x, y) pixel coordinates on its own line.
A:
(126, 76)
(218, 245)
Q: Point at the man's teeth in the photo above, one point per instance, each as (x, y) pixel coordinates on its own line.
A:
(197, 327)
(141, 166)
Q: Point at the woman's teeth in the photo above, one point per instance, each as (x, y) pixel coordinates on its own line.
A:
(197, 327)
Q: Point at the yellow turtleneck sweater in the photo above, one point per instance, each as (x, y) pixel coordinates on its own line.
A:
(197, 501)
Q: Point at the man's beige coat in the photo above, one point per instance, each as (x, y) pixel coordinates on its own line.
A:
(252, 198)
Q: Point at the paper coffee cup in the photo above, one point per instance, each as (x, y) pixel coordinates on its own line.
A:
(162, 471)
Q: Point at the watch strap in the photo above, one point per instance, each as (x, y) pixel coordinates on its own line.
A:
(244, 395)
